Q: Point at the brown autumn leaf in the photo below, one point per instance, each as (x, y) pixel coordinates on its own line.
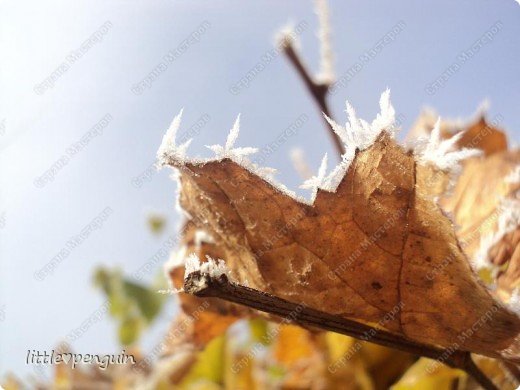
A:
(360, 251)
(476, 204)
(475, 200)
(506, 255)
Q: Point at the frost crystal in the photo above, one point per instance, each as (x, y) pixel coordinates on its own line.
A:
(287, 36)
(435, 151)
(358, 134)
(514, 176)
(177, 259)
(201, 237)
(169, 150)
(514, 301)
(229, 151)
(316, 182)
(210, 268)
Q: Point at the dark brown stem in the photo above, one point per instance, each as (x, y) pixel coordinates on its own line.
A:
(472, 369)
(317, 91)
(305, 316)
(513, 370)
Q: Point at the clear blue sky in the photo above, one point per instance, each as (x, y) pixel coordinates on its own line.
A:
(36, 39)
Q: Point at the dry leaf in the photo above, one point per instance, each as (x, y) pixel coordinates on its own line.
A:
(356, 252)
(475, 200)
(374, 246)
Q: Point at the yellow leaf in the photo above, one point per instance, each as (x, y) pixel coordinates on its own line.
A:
(427, 374)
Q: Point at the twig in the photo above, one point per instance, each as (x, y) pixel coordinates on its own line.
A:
(513, 370)
(203, 285)
(317, 90)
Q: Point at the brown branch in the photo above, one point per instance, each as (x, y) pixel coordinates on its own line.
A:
(304, 316)
(513, 370)
(318, 92)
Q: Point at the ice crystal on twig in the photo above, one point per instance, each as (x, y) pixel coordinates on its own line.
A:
(286, 37)
(211, 268)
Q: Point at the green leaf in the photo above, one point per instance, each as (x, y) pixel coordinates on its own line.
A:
(156, 223)
(129, 330)
(133, 305)
(149, 301)
(259, 331)
(209, 365)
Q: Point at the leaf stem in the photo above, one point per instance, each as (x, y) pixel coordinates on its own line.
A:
(221, 287)
(317, 90)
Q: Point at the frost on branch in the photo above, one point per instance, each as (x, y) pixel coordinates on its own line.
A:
(208, 269)
(326, 74)
(438, 152)
(286, 37)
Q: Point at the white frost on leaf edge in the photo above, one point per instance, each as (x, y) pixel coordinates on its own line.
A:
(169, 149)
(514, 176)
(438, 152)
(452, 125)
(229, 150)
(357, 134)
(169, 154)
(203, 237)
(514, 301)
(318, 181)
(177, 259)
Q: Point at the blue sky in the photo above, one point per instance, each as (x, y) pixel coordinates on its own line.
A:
(37, 39)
